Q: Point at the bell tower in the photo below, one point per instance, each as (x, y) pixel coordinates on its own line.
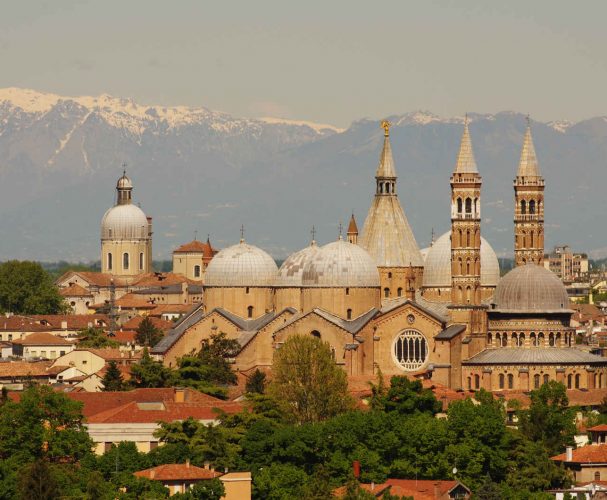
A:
(528, 207)
(465, 226)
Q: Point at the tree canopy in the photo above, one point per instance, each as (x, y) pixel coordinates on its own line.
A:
(26, 288)
(147, 334)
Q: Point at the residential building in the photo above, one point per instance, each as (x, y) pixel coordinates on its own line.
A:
(42, 345)
(567, 265)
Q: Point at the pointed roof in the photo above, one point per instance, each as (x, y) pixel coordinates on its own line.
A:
(528, 166)
(386, 162)
(465, 157)
(352, 227)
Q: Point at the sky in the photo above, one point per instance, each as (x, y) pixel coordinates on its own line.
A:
(324, 61)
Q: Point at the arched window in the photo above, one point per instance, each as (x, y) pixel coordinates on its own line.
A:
(125, 261)
(477, 381)
(540, 339)
(315, 333)
(469, 383)
(467, 238)
(196, 271)
(551, 339)
(577, 381)
(600, 385)
(531, 239)
(386, 292)
(459, 262)
(246, 290)
(476, 210)
(468, 266)
(468, 205)
(569, 379)
(468, 294)
(389, 275)
(501, 380)
(141, 261)
(505, 340)
(536, 381)
(510, 381)
(558, 338)
(521, 340)
(250, 311)
(399, 292)
(498, 339)
(546, 378)
(349, 313)
(109, 261)
(533, 339)
(459, 205)
(347, 291)
(410, 350)
(515, 339)
(532, 207)
(523, 207)
(489, 339)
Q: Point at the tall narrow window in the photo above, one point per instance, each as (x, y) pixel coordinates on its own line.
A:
(386, 292)
(569, 379)
(349, 313)
(250, 311)
(546, 378)
(523, 207)
(510, 381)
(459, 205)
(532, 207)
(536, 381)
(477, 381)
(141, 261)
(125, 261)
(109, 261)
(196, 271)
(577, 381)
(468, 205)
(501, 380)
(399, 292)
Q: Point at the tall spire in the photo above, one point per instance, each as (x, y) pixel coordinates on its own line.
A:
(465, 157)
(528, 166)
(353, 231)
(386, 162)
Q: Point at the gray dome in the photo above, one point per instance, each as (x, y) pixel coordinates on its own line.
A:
(124, 183)
(241, 265)
(290, 273)
(124, 222)
(341, 264)
(531, 288)
(437, 264)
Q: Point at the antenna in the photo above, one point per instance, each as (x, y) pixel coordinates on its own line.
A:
(313, 233)
(242, 233)
(124, 165)
(195, 234)
(340, 229)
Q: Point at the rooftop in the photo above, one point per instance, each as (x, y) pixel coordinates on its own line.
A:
(177, 472)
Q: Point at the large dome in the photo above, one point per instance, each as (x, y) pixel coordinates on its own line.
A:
(341, 264)
(531, 288)
(437, 265)
(290, 273)
(124, 222)
(241, 265)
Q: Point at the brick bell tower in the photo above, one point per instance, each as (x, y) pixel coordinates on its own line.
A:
(528, 207)
(466, 227)
(466, 307)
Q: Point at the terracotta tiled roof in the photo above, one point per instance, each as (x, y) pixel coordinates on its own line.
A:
(111, 354)
(591, 454)
(197, 247)
(161, 324)
(124, 336)
(19, 369)
(94, 278)
(599, 428)
(43, 338)
(125, 370)
(151, 280)
(132, 301)
(161, 309)
(177, 472)
(422, 489)
(75, 290)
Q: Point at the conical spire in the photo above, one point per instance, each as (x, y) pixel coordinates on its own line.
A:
(465, 157)
(386, 162)
(352, 227)
(528, 166)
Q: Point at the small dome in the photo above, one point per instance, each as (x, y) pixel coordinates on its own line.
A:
(437, 264)
(290, 273)
(241, 265)
(531, 288)
(341, 264)
(124, 222)
(124, 183)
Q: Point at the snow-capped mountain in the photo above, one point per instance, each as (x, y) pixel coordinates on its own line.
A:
(195, 169)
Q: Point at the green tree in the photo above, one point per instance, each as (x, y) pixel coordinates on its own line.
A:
(37, 482)
(211, 489)
(256, 384)
(95, 338)
(150, 373)
(409, 396)
(549, 419)
(279, 482)
(192, 371)
(307, 382)
(215, 353)
(112, 380)
(147, 334)
(43, 423)
(26, 288)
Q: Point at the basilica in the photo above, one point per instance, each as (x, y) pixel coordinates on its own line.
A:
(380, 302)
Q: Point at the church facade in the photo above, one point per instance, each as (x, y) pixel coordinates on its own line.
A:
(382, 304)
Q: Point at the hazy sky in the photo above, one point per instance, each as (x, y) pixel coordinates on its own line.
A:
(327, 61)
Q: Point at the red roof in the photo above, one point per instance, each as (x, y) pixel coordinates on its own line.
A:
(178, 472)
(112, 354)
(161, 324)
(599, 428)
(42, 338)
(18, 369)
(161, 309)
(197, 247)
(420, 489)
(591, 454)
(124, 336)
(74, 290)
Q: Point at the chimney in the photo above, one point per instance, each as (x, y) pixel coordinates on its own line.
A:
(152, 473)
(569, 454)
(179, 395)
(356, 469)
(207, 465)
(64, 325)
(187, 463)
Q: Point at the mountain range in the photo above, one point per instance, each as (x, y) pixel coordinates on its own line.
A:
(202, 172)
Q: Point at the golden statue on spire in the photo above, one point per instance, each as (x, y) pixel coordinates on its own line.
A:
(385, 124)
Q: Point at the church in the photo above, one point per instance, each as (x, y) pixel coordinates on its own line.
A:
(384, 305)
